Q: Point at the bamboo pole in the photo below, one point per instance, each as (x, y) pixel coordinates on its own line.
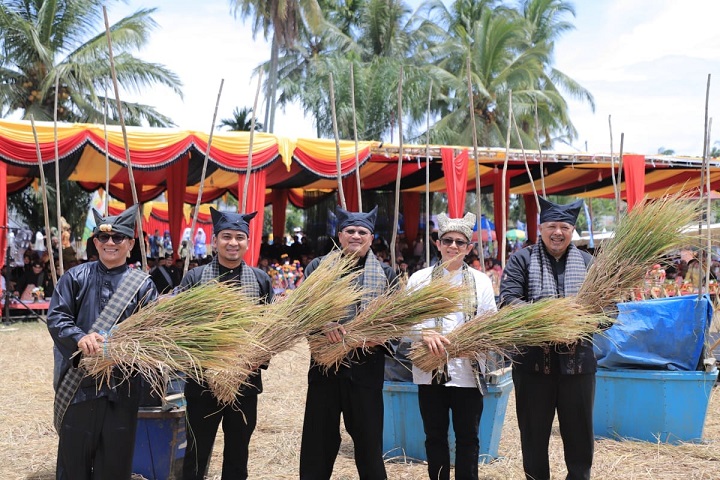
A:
(705, 136)
(131, 176)
(527, 167)
(341, 193)
(706, 172)
(503, 190)
(43, 190)
(58, 210)
(357, 160)
(539, 144)
(478, 192)
(616, 187)
(252, 141)
(396, 216)
(708, 248)
(107, 156)
(620, 175)
(427, 179)
(198, 201)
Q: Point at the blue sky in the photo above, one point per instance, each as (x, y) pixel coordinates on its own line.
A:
(645, 61)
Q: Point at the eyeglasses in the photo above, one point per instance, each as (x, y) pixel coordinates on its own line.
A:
(117, 238)
(449, 241)
(353, 231)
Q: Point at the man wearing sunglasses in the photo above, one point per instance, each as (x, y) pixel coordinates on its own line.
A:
(204, 413)
(355, 388)
(96, 419)
(557, 377)
(459, 386)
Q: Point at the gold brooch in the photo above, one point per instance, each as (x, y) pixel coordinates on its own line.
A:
(105, 227)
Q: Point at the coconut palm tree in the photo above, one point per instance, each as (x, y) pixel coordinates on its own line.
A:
(45, 39)
(283, 18)
(376, 37)
(509, 50)
(241, 121)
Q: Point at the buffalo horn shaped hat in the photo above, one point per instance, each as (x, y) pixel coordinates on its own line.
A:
(552, 212)
(123, 223)
(356, 219)
(231, 221)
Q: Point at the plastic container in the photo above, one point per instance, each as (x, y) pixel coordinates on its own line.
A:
(403, 433)
(160, 443)
(651, 405)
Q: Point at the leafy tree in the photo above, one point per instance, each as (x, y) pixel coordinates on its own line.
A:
(43, 40)
(74, 205)
(241, 121)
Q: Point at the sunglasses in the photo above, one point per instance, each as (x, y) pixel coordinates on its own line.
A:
(117, 238)
(449, 241)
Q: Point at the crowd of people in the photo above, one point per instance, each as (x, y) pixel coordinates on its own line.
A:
(96, 420)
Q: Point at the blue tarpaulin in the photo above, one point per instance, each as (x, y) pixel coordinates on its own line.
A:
(659, 334)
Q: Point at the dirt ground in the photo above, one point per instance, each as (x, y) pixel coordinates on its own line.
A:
(28, 441)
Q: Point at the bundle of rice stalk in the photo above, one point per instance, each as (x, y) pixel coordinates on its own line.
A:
(197, 329)
(643, 235)
(390, 316)
(323, 297)
(551, 320)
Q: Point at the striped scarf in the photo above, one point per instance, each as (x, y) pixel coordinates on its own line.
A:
(248, 281)
(541, 281)
(68, 385)
(373, 278)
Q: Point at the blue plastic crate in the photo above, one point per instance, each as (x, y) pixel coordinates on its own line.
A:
(652, 405)
(403, 433)
(160, 443)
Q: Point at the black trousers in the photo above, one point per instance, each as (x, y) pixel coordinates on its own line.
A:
(537, 397)
(97, 440)
(362, 411)
(204, 414)
(436, 403)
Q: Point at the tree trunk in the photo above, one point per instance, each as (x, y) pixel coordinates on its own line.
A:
(272, 84)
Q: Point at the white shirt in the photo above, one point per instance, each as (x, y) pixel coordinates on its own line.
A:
(459, 369)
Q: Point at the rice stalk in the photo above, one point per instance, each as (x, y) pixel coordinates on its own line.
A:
(550, 320)
(199, 329)
(325, 296)
(389, 316)
(642, 236)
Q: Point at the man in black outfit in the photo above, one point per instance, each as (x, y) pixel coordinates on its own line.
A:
(558, 376)
(355, 389)
(163, 275)
(204, 412)
(96, 420)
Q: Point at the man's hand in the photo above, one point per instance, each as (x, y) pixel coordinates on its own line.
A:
(435, 342)
(91, 343)
(334, 332)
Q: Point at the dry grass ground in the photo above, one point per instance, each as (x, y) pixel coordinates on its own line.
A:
(28, 441)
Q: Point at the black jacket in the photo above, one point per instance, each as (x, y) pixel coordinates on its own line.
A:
(366, 368)
(577, 358)
(192, 278)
